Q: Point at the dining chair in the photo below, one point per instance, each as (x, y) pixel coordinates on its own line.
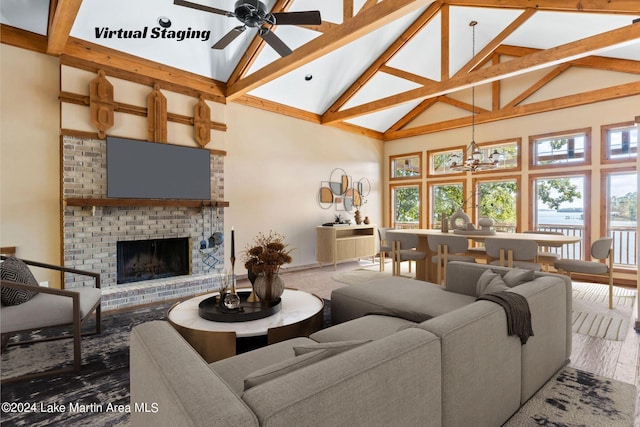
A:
(403, 248)
(511, 253)
(601, 250)
(546, 257)
(448, 248)
(385, 246)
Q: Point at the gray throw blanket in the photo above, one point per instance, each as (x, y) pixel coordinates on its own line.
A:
(517, 310)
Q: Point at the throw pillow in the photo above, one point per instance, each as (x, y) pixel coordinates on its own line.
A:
(496, 285)
(333, 347)
(284, 367)
(15, 270)
(518, 276)
(484, 280)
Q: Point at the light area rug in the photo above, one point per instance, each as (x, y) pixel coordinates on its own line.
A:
(591, 314)
(575, 398)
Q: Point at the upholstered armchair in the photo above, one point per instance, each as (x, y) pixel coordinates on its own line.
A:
(26, 306)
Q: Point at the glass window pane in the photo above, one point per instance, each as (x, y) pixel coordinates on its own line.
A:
(622, 143)
(559, 207)
(445, 198)
(560, 150)
(507, 154)
(622, 221)
(498, 201)
(406, 207)
(439, 161)
(407, 166)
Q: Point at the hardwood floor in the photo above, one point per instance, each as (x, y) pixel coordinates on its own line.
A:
(619, 360)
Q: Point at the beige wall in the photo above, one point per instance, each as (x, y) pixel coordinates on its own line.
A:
(29, 160)
(273, 169)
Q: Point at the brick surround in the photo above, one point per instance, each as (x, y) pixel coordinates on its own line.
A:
(90, 234)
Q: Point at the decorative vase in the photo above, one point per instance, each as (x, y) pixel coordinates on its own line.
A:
(444, 223)
(268, 286)
(366, 220)
(358, 217)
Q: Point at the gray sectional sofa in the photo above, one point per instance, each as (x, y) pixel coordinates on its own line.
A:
(401, 352)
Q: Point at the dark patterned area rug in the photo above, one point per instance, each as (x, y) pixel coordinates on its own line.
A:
(575, 398)
(100, 394)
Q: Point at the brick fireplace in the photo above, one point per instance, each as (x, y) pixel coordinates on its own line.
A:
(91, 235)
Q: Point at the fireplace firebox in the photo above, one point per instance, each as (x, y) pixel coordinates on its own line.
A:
(139, 260)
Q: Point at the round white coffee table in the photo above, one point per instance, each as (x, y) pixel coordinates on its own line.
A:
(300, 314)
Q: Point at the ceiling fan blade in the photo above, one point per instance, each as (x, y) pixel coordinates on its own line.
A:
(275, 42)
(202, 7)
(311, 17)
(229, 37)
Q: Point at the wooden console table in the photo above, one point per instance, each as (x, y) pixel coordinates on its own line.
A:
(345, 242)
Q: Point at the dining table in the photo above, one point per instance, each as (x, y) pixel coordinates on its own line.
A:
(426, 269)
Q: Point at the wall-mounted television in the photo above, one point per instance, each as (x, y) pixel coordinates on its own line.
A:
(151, 170)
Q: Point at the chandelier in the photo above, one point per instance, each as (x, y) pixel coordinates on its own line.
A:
(474, 160)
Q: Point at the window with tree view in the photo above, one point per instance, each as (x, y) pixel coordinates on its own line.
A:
(560, 149)
(559, 207)
(621, 196)
(406, 166)
(498, 200)
(507, 153)
(444, 198)
(406, 206)
(439, 161)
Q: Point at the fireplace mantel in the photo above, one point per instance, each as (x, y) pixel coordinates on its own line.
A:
(102, 201)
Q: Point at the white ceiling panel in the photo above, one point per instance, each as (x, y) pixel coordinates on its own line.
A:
(380, 86)
(29, 15)
(421, 55)
(383, 120)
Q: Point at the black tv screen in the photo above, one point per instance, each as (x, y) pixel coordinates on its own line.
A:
(150, 170)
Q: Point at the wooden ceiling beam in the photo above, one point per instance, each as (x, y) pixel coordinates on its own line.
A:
(535, 61)
(411, 115)
(590, 97)
(406, 75)
(60, 24)
(400, 42)
(445, 59)
(255, 47)
(23, 39)
(599, 62)
(482, 56)
(81, 54)
(363, 23)
(538, 85)
(630, 7)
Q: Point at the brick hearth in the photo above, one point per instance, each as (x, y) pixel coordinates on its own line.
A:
(90, 234)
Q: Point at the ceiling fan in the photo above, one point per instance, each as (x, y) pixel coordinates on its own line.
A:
(254, 14)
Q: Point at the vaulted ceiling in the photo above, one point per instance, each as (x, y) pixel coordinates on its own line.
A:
(379, 68)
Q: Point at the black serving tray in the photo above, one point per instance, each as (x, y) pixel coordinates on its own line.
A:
(211, 309)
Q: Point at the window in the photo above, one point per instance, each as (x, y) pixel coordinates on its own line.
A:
(439, 161)
(508, 151)
(620, 142)
(406, 166)
(405, 206)
(559, 204)
(621, 198)
(498, 199)
(447, 198)
(560, 149)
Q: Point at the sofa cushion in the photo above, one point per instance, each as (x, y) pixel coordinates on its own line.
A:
(370, 327)
(518, 276)
(395, 296)
(331, 347)
(15, 270)
(496, 285)
(284, 367)
(233, 370)
(484, 280)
